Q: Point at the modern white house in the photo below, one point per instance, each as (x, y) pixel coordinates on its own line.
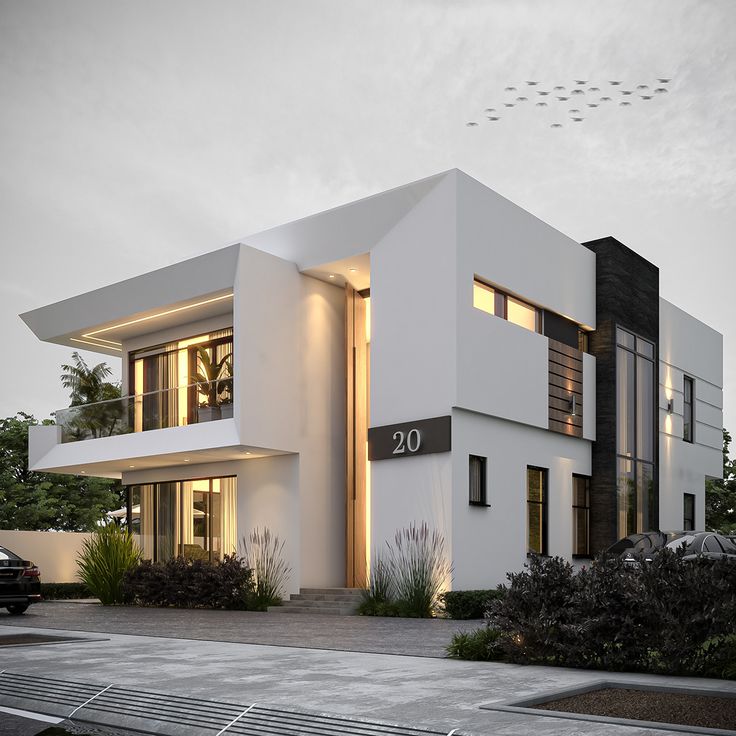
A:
(431, 353)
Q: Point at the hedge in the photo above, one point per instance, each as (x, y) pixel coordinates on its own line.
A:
(468, 604)
(64, 591)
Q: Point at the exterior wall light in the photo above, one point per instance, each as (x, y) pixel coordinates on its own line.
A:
(572, 406)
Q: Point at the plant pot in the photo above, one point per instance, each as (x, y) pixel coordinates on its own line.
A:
(208, 413)
(226, 410)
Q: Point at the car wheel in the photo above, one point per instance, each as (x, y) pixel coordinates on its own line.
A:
(17, 609)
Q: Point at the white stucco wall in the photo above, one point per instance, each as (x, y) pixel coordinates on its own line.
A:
(55, 553)
(489, 542)
(688, 347)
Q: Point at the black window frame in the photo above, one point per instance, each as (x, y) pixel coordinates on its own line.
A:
(586, 510)
(688, 410)
(481, 497)
(688, 498)
(544, 503)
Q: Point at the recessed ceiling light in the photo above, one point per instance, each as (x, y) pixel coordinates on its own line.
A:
(131, 466)
(186, 459)
(84, 472)
(332, 276)
(352, 270)
(248, 453)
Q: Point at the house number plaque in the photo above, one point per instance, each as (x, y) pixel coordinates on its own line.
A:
(420, 437)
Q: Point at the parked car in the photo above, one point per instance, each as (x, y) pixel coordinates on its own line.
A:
(709, 545)
(20, 583)
(640, 547)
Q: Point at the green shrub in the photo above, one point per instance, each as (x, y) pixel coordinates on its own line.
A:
(667, 616)
(481, 645)
(467, 604)
(105, 558)
(184, 583)
(64, 591)
(263, 554)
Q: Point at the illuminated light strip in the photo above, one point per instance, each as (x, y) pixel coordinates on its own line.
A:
(96, 344)
(159, 314)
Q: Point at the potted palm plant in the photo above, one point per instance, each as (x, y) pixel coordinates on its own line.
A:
(211, 382)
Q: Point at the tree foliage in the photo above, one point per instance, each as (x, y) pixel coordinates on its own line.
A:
(44, 501)
(720, 495)
(88, 385)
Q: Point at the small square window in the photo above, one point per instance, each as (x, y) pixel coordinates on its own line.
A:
(477, 478)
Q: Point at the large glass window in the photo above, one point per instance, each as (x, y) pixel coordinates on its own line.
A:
(687, 425)
(581, 515)
(536, 497)
(183, 382)
(195, 519)
(491, 300)
(635, 433)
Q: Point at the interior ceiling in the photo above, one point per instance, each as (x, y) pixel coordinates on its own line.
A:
(113, 334)
(355, 271)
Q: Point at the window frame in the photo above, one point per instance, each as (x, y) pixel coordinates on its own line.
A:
(586, 510)
(544, 504)
(688, 409)
(482, 501)
(688, 497)
(500, 303)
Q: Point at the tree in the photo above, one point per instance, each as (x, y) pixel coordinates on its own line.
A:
(88, 385)
(45, 501)
(720, 495)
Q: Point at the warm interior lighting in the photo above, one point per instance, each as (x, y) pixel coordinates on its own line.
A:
(484, 297)
(521, 314)
(91, 335)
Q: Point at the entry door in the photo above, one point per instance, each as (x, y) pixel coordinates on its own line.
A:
(358, 370)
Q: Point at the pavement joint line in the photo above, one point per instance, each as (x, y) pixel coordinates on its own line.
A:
(236, 719)
(89, 700)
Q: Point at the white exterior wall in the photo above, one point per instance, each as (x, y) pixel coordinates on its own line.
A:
(688, 347)
(490, 541)
(55, 553)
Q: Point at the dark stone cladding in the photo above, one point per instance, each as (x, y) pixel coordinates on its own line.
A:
(627, 295)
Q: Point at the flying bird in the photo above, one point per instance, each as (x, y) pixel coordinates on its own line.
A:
(493, 119)
(594, 89)
(592, 104)
(471, 124)
(574, 112)
(578, 120)
(559, 87)
(626, 92)
(614, 83)
(542, 92)
(508, 104)
(625, 104)
(556, 125)
(577, 92)
(642, 86)
(605, 99)
(646, 97)
(661, 90)
(664, 81)
(563, 99)
(541, 104)
(490, 109)
(531, 84)
(522, 99)
(581, 81)
(510, 89)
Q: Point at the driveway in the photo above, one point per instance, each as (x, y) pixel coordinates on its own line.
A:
(414, 637)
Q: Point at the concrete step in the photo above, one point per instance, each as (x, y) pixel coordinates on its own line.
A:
(327, 610)
(321, 604)
(322, 597)
(356, 592)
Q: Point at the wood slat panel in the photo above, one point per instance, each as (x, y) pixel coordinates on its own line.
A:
(563, 393)
(562, 347)
(560, 382)
(565, 369)
(568, 429)
(568, 373)
(561, 359)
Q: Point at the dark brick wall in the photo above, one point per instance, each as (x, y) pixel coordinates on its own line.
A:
(627, 294)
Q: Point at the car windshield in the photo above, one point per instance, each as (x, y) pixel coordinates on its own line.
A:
(686, 540)
(6, 554)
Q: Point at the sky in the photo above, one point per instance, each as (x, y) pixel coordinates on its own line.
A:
(137, 134)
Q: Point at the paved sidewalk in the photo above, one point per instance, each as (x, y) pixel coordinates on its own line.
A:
(415, 637)
(420, 691)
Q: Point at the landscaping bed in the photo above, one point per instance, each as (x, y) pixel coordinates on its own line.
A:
(704, 711)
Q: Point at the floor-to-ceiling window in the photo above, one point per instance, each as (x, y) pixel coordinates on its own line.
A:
(536, 504)
(635, 434)
(195, 519)
(182, 382)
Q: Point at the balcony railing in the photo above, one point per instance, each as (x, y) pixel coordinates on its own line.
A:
(173, 407)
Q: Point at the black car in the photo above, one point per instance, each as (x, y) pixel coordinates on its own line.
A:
(638, 547)
(708, 545)
(20, 583)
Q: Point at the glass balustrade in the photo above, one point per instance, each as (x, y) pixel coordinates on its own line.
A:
(173, 407)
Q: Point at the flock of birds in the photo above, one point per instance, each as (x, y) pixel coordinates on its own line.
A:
(554, 98)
